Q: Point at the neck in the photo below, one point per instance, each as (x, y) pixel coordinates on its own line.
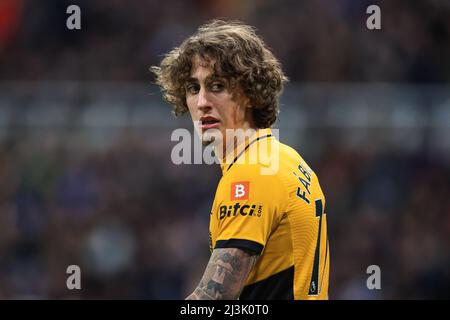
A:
(234, 142)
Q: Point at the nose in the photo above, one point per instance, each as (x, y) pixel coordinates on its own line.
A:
(203, 102)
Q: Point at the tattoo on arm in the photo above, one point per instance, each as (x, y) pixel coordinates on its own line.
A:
(225, 275)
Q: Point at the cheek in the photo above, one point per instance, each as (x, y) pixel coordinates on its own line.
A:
(236, 115)
(230, 111)
(190, 101)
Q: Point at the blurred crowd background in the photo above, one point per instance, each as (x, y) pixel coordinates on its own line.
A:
(85, 144)
(323, 40)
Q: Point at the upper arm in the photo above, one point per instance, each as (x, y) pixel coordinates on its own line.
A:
(225, 274)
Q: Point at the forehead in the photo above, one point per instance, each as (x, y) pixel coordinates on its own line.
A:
(202, 66)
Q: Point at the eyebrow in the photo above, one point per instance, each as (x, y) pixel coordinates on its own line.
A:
(191, 79)
(207, 79)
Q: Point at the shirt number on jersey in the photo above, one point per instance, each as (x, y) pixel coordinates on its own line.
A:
(314, 285)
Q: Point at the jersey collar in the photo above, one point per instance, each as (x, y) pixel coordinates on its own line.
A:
(258, 135)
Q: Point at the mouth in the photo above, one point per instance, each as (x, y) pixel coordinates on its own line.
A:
(208, 123)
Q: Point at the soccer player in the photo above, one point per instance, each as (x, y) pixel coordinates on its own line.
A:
(268, 227)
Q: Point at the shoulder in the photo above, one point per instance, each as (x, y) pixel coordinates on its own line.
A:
(292, 160)
(253, 182)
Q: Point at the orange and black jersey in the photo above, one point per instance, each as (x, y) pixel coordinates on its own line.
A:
(276, 209)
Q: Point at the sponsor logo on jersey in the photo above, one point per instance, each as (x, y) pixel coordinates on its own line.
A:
(240, 190)
(246, 210)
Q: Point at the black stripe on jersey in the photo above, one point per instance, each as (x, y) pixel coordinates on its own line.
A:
(242, 152)
(240, 243)
(325, 263)
(314, 285)
(279, 286)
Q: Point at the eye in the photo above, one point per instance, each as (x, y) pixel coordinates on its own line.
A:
(192, 88)
(217, 86)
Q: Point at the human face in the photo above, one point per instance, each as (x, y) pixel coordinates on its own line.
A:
(211, 103)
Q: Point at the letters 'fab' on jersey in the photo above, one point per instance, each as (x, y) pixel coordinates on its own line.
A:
(280, 216)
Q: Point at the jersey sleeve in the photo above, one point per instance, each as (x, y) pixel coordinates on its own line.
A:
(249, 207)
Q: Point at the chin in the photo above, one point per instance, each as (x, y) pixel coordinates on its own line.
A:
(211, 137)
(207, 142)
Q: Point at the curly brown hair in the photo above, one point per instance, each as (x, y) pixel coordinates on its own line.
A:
(241, 57)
